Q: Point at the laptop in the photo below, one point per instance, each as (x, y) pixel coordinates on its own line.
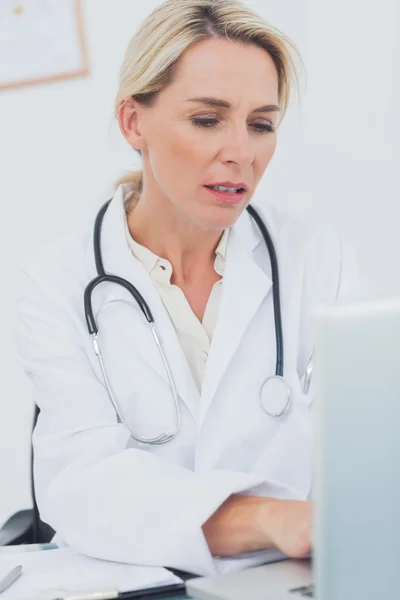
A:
(284, 580)
(357, 473)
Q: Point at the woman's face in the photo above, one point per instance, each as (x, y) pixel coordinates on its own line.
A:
(213, 126)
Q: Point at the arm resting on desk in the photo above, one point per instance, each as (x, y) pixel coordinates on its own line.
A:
(104, 498)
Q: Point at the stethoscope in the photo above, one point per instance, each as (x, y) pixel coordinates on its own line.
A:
(275, 395)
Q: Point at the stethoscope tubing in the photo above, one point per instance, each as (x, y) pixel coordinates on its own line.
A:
(279, 366)
(93, 329)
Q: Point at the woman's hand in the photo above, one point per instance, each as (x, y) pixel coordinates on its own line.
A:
(287, 525)
(250, 523)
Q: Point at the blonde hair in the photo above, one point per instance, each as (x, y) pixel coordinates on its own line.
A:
(153, 52)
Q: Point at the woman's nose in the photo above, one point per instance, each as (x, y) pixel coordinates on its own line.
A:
(238, 148)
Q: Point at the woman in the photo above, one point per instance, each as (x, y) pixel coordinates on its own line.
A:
(203, 88)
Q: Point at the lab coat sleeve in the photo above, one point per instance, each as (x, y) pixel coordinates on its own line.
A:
(103, 498)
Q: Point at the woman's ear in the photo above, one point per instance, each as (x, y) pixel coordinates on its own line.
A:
(129, 119)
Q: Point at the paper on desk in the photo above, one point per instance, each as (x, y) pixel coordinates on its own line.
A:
(47, 575)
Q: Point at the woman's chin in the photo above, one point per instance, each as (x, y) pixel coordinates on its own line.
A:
(219, 217)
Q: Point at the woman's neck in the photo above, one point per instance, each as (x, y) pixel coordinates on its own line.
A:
(168, 233)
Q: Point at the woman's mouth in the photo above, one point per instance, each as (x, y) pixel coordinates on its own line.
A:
(227, 194)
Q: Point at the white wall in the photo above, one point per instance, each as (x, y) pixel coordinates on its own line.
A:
(336, 160)
(353, 129)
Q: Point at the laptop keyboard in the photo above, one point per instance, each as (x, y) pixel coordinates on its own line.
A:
(306, 591)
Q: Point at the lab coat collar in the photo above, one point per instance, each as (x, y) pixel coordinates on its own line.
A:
(245, 285)
(119, 260)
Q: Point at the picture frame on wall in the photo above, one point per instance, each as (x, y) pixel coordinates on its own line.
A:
(41, 41)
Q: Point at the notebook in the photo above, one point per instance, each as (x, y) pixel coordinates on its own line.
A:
(62, 572)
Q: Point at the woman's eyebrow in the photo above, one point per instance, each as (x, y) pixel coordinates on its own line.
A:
(225, 104)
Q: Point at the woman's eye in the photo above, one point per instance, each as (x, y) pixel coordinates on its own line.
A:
(261, 127)
(204, 122)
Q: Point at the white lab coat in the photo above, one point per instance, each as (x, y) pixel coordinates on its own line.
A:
(114, 498)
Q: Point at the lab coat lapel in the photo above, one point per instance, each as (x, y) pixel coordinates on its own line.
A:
(245, 285)
(118, 260)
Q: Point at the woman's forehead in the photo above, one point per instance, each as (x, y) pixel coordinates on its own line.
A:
(228, 70)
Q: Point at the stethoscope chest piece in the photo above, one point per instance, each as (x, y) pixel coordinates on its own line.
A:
(275, 397)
